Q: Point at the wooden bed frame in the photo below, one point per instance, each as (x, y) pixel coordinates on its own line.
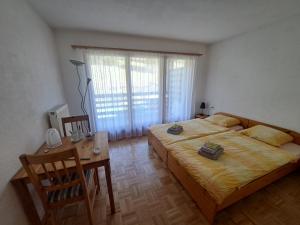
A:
(162, 151)
(208, 204)
(205, 202)
(158, 147)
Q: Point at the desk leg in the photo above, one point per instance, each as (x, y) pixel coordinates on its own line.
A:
(109, 187)
(96, 179)
(27, 202)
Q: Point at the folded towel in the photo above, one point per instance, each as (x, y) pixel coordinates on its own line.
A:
(214, 156)
(212, 146)
(211, 151)
(175, 129)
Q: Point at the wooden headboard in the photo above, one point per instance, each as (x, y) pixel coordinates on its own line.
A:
(296, 137)
(253, 123)
(247, 123)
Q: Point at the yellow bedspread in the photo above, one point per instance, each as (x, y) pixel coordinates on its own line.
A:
(244, 160)
(191, 129)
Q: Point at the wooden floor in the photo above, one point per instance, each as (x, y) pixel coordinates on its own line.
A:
(147, 194)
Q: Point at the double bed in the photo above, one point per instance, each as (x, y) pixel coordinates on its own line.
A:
(160, 139)
(246, 166)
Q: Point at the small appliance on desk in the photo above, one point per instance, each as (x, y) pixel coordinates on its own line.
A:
(53, 139)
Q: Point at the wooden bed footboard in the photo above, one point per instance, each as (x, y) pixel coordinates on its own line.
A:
(207, 204)
(259, 184)
(158, 147)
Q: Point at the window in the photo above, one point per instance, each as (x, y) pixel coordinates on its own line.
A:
(179, 86)
(145, 91)
(132, 91)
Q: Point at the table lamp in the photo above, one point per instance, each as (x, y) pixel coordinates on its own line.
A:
(202, 107)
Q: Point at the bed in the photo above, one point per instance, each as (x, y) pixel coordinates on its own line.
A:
(160, 139)
(247, 166)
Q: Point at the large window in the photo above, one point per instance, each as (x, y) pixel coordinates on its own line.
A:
(132, 91)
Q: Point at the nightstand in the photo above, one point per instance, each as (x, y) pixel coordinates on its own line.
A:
(201, 116)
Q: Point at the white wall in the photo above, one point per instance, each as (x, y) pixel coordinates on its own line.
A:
(65, 38)
(30, 85)
(257, 74)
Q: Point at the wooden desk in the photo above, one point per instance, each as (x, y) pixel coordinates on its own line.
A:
(91, 161)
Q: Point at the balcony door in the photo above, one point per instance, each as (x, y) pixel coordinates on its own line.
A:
(126, 92)
(146, 92)
(132, 91)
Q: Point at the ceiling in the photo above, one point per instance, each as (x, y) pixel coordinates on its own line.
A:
(205, 21)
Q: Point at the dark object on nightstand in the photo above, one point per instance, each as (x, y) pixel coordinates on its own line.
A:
(202, 107)
(201, 115)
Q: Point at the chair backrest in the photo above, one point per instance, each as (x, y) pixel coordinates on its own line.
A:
(49, 173)
(77, 122)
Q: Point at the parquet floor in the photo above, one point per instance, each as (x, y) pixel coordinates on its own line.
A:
(147, 194)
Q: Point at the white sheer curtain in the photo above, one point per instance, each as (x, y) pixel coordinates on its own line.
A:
(180, 75)
(109, 92)
(132, 91)
(126, 91)
(146, 91)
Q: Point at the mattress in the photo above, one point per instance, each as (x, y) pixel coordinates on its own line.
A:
(191, 129)
(244, 160)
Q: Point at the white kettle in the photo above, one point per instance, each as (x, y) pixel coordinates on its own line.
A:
(53, 139)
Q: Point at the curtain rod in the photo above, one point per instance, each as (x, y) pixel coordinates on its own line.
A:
(135, 50)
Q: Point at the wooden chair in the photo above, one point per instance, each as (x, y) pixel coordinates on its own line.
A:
(79, 122)
(58, 185)
(83, 123)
